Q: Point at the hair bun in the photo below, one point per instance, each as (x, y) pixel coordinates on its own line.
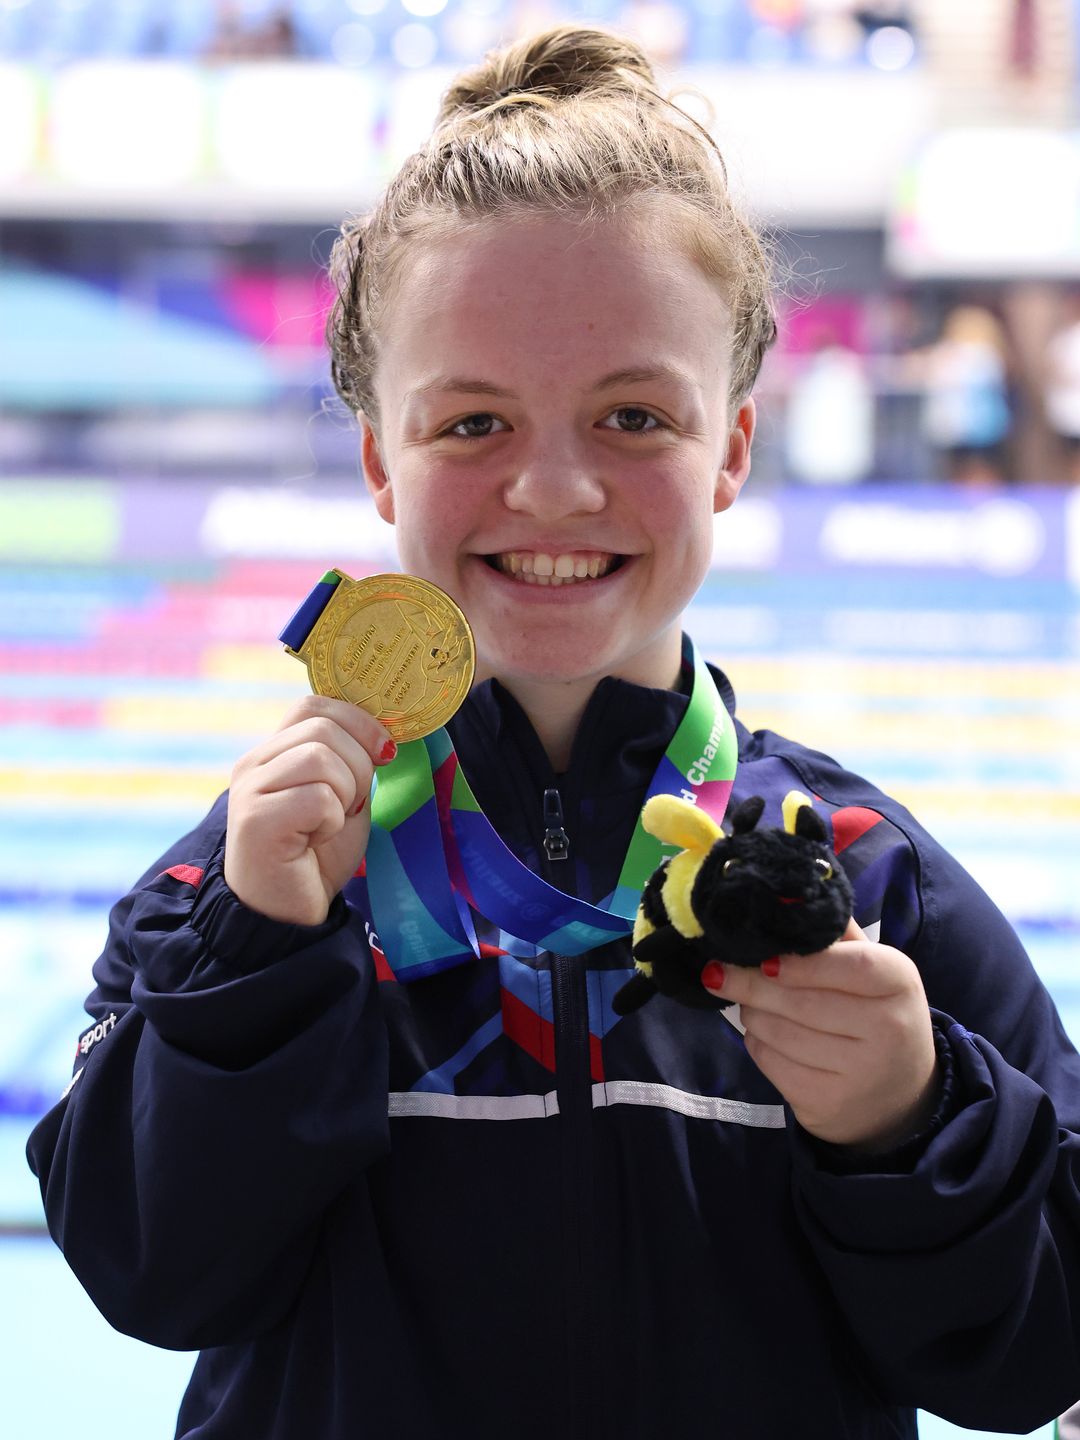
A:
(559, 63)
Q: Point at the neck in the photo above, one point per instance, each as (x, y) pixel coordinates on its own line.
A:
(555, 707)
(555, 712)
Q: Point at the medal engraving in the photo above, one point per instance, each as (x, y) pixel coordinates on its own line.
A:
(397, 647)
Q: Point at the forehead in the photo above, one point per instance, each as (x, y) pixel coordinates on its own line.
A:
(542, 291)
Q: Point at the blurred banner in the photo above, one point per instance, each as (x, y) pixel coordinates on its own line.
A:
(302, 140)
(989, 202)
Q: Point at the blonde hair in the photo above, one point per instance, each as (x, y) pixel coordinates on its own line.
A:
(572, 122)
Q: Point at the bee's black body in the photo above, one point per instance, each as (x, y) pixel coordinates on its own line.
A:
(751, 895)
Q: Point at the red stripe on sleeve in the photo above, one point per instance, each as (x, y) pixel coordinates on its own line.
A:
(850, 823)
(186, 874)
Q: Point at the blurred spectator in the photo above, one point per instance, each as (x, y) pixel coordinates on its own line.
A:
(278, 35)
(829, 433)
(878, 14)
(1023, 37)
(784, 14)
(228, 39)
(1063, 387)
(880, 31)
(832, 33)
(271, 38)
(526, 17)
(966, 411)
(661, 26)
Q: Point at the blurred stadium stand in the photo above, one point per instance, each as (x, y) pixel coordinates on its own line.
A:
(360, 32)
(169, 184)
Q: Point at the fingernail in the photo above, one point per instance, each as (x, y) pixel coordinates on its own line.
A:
(771, 967)
(359, 807)
(712, 977)
(387, 753)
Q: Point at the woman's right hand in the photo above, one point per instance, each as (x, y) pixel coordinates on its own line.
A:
(299, 817)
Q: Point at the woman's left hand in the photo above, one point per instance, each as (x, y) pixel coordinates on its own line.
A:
(844, 1035)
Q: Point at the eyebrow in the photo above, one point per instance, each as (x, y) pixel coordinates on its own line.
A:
(462, 384)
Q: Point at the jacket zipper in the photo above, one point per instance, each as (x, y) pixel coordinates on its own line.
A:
(573, 1082)
(556, 840)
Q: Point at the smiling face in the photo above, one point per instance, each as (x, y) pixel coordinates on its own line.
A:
(554, 439)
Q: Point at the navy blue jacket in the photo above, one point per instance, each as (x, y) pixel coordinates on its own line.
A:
(481, 1205)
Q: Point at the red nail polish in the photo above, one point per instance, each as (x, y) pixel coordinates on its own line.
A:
(771, 967)
(387, 753)
(712, 977)
(359, 807)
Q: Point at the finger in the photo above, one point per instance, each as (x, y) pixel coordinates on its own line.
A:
(817, 1049)
(831, 1012)
(318, 730)
(742, 984)
(314, 764)
(364, 728)
(853, 967)
(791, 1077)
(853, 932)
(850, 967)
(824, 1012)
(292, 820)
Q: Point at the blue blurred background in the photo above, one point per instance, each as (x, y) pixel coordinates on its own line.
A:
(900, 585)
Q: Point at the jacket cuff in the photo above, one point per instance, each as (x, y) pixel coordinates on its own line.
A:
(902, 1159)
(244, 939)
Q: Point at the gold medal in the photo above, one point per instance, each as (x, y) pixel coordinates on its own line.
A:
(396, 646)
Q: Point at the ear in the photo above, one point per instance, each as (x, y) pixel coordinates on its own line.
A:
(795, 802)
(679, 822)
(375, 476)
(745, 816)
(737, 462)
(809, 824)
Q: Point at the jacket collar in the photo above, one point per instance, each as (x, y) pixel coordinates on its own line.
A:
(624, 731)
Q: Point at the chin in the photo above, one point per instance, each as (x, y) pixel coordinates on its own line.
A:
(556, 656)
(531, 670)
(568, 658)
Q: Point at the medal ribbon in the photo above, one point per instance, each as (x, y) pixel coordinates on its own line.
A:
(434, 858)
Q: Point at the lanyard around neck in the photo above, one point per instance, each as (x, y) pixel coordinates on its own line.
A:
(434, 860)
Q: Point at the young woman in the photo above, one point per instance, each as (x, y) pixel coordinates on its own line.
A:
(478, 1203)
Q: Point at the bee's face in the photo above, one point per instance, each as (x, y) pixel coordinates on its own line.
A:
(768, 883)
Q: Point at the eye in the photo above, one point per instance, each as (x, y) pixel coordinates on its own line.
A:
(824, 866)
(634, 420)
(476, 427)
(731, 864)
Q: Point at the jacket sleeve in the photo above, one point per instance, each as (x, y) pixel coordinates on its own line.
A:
(233, 1083)
(957, 1264)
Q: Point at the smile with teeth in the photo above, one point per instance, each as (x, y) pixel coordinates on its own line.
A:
(537, 568)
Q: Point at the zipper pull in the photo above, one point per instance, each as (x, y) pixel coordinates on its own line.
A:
(556, 840)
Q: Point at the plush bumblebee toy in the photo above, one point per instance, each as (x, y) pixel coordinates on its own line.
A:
(737, 898)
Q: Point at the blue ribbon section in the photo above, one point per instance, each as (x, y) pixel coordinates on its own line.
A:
(303, 622)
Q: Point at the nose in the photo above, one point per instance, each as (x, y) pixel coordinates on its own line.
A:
(555, 480)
